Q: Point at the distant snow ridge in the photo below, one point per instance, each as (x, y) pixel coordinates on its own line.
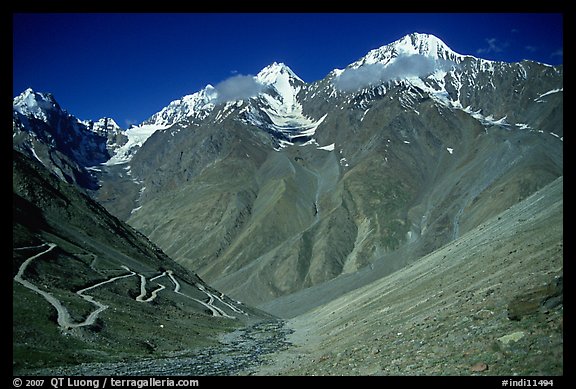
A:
(191, 108)
(270, 100)
(42, 106)
(196, 106)
(272, 106)
(277, 110)
(102, 126)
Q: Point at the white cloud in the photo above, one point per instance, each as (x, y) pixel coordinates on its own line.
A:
(494, 46)
(558, 53)
(130, 122)
(402, 67)
(237, 87)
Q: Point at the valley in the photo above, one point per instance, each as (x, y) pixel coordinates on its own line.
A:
(87, 288)
(393, 226)
(447, 314)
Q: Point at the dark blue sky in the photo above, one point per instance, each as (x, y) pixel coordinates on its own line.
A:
(129, 66)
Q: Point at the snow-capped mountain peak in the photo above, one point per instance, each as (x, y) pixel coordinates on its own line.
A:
(413, 57)
(425, 45)
(283, 84)
(275, 71)
(67, 146)
(277, 108)
(44, 107)
(35, 104)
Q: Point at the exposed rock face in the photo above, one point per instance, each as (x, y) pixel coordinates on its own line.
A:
(65, 145)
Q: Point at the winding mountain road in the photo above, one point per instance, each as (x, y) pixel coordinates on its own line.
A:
(215, 310)
(63, 315)
(65, 320)
(101, 307)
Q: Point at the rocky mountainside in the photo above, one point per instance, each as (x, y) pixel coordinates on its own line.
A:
(290, 184)
(67, 146)
(487, 303)
(415, 196)
(87, 287)
(301, 183)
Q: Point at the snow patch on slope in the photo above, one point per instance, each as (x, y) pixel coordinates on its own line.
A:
(136, 138)
(329, 147)
(539, 98)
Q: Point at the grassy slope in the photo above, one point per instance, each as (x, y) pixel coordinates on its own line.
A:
(91, 247)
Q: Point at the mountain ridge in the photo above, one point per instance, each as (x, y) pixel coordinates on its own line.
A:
(385, 161)
(395, 196)
(198, 105)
